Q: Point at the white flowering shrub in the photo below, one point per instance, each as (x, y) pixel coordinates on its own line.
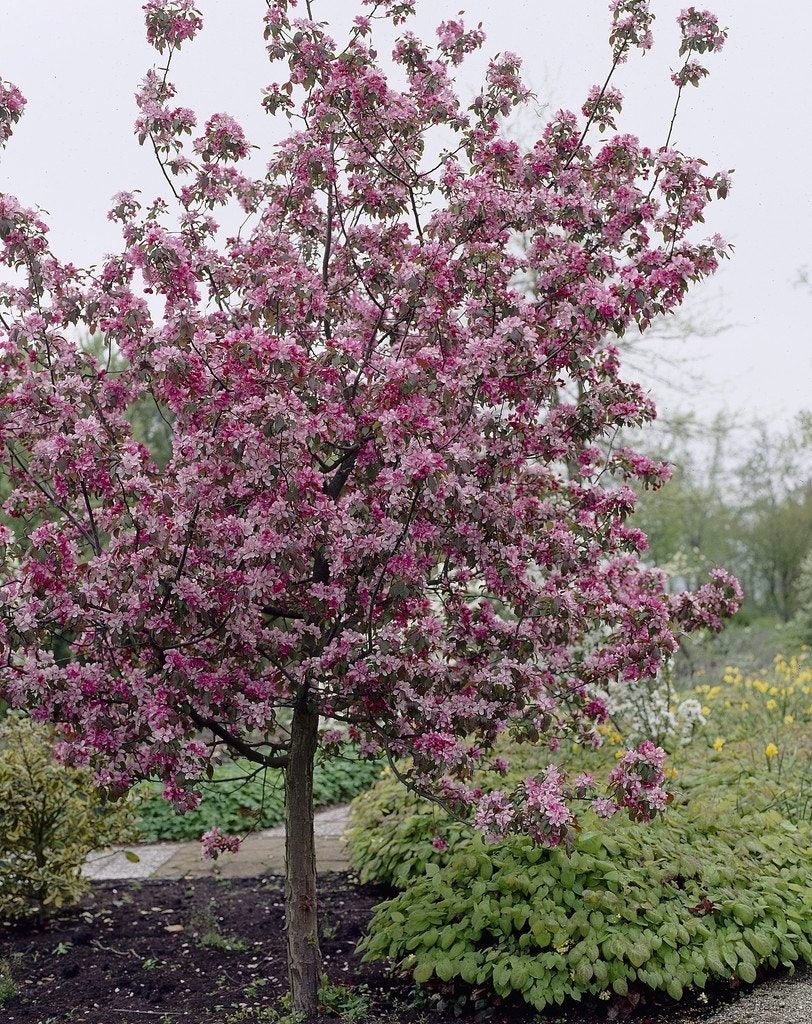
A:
(646, 709)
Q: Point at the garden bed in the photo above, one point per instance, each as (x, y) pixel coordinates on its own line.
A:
(207, 950)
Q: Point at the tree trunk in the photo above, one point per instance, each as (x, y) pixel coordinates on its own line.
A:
(301, 927)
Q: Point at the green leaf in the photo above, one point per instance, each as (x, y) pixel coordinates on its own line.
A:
(541, 934)
(640, 952)
(519, 977)
(447, 937)
(584, 972)
(501, 978)
(620, 986)
(746, 972)
(444, 969)
(469, 969)
(743, 913)
(423, 972)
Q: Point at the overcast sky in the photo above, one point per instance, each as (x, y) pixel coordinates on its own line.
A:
(78, 63)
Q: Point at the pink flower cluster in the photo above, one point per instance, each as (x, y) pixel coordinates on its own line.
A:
(691, 73)
(12, 105)
(215, 842)
(709, 606)
(700, 31)
(700, 34)
(171, 23)
(456, 41)
(601, 106)
(632, 20)
(223, 140)
(163, 124)
(636, 783)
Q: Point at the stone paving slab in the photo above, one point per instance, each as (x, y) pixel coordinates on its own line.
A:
(261, 853)
(258, 855)
(103, 865)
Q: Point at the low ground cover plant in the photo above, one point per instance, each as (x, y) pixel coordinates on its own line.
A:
(715, 890)
(239, 797)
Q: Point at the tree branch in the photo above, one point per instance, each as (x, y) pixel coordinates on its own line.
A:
(240, 746)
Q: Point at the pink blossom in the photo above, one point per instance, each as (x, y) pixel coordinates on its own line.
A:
(223, 139)
(332, 737)
(12, 104)
(632, 27)
(171, 22)
(215, 841)
(601, 106)
(691, 73)
(604, 807)
(456, 41)
(585, 781)
(700, 31)
(182, 798)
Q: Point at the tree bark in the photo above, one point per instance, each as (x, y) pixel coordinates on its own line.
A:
(301, 918)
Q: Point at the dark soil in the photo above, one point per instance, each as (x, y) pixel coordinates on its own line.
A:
(207, 950)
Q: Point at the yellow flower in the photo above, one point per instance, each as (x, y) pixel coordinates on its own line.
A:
(745, 705)
(671, 773)
(718, 743)
(789, 719)
(705, 710)
(771, 750)
(771, 704)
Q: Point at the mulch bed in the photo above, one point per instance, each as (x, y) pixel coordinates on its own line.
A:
(201, 950)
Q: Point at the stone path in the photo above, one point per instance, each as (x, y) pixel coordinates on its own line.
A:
(262, 853)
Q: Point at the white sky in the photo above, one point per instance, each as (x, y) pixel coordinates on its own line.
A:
(78, 63)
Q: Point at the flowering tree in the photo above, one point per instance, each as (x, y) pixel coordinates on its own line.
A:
(381, 512)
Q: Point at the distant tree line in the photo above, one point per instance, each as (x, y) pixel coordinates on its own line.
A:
(740, 497)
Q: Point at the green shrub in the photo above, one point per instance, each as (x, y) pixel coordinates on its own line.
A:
(391, 833)
(239, 797)
(715, 889)
(51, 817)
(703, 895)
